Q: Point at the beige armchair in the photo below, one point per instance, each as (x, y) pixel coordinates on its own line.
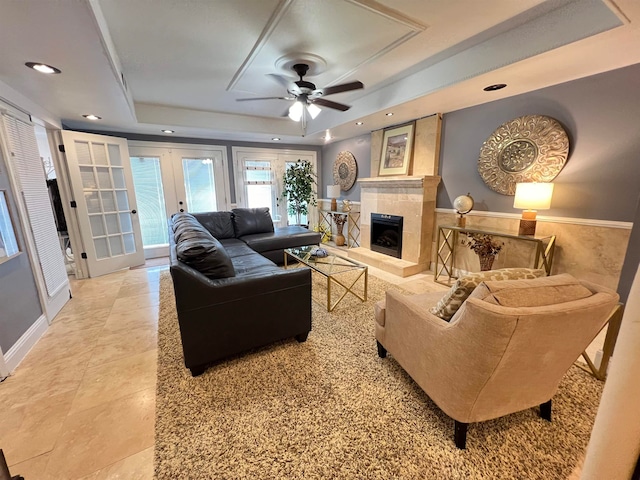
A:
(505, 350)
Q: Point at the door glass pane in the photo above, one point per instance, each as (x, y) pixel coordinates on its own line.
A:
(118, 177)
(125, 222)
(108, 204)
(104, 179)
(123, 200)
(112, 223)
(129, 243)
(97, 227)
(147, 182)
(83, 153)
(99, 154)
(116, 245)
(88, 179)
(102, 251)
(93, 202)
(114, 155)
(199, 184)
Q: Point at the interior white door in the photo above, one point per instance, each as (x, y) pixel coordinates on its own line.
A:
(102, 187)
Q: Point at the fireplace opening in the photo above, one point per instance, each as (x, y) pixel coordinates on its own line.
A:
(386, 234)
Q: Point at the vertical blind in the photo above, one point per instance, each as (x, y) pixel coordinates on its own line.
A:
(28, 166)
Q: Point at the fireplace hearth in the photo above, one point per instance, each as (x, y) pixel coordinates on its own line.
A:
(386, 234)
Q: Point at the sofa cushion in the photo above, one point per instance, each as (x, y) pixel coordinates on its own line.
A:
(281, 238)
(219, 224)
(458, 293)
(247, 221)
(533, 293)
(200, 250)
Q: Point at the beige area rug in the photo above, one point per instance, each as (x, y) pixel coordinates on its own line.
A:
(329, 408)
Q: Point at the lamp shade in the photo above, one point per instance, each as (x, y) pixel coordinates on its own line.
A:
(333, 191)
(533, 196)
(295, 111)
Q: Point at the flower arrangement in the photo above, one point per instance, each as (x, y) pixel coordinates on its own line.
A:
(482, 244)
(324, 230)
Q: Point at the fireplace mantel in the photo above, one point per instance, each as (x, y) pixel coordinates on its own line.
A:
(399, 182)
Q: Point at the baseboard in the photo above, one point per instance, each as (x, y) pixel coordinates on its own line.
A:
(25, 343)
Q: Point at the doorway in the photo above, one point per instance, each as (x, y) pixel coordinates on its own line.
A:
(258, 180)
(176, 178)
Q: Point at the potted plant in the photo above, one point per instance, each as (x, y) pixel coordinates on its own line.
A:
(485, 247)
(299, 179)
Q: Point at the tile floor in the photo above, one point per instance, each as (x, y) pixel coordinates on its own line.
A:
(81, 405)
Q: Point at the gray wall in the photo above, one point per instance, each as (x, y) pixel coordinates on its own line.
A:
(360, 147)
(631, 259)
(19, 300)
(210, 141)
(601, 179)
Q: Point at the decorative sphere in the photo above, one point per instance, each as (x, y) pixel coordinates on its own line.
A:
(463, 203)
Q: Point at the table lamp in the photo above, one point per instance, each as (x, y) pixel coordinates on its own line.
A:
(531, 197)
(333, 192)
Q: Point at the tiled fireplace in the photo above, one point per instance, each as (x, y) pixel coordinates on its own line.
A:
(414, 199)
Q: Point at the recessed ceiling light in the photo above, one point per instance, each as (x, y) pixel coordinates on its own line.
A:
(43, 67)
(359, 123)
(497, 86)
(388, 114)
(168, 131)
(276, 139)
(91, 116)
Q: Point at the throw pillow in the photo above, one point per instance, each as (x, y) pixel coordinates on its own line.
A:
(247, 221)
(458, 293)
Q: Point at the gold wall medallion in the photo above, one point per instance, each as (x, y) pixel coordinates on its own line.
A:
(532, 148)
(345, 170)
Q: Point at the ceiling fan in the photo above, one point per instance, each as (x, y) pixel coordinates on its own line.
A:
(307, 95)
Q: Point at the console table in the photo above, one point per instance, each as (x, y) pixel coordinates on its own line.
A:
(352, 225)
(448, 241)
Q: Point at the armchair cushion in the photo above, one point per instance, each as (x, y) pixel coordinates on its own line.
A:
(558, 289)
(460, 291)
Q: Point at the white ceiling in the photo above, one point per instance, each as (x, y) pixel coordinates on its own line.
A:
(146, 65)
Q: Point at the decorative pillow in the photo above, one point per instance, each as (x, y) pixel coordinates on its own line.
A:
(199, 250)
(458, 293)
(247, 221)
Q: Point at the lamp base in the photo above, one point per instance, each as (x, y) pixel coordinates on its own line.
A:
(334, 205)
(527, 227)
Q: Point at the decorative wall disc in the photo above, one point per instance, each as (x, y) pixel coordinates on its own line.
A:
(345, 170)
(532, 148)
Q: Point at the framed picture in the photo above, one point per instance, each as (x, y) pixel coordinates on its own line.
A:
(8, 243)
(397, 146)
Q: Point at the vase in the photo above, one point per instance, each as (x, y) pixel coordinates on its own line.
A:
(486, 262)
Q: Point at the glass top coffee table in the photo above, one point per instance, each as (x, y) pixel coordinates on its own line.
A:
(335, 268)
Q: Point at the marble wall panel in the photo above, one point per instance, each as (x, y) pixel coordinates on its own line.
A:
(588, 252)
(426, 149)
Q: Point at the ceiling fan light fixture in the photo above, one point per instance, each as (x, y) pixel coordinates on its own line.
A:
(313, 110)
(295, 111)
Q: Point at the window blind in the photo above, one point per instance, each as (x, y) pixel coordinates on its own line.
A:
(28, 166)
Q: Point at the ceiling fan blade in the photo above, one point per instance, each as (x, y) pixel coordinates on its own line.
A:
(329, 104)
(343, 87)
(263, 98)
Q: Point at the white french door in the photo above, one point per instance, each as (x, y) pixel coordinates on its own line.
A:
(259, 177)
(168, 180)
(102, 187)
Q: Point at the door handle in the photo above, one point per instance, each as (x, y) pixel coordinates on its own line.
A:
(134, 211)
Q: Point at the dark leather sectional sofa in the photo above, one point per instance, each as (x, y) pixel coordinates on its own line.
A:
(230, 295)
